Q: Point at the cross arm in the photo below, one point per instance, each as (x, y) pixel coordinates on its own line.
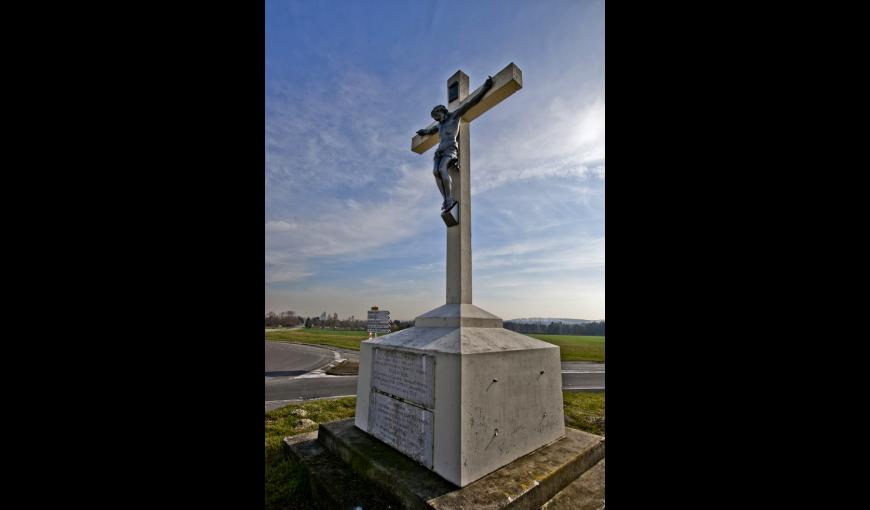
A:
(505, 83)
(475, 98)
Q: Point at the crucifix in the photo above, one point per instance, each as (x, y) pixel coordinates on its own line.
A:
(453, 158)
(421, 389)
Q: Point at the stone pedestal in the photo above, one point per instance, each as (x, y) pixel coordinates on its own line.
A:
(460, 394)
(348, 468)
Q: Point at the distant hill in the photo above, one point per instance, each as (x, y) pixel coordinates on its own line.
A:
(548, 320)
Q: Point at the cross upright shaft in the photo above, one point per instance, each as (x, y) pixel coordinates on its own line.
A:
(505, 83)
(459, 236)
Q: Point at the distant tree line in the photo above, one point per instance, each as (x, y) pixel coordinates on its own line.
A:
(333, 322)
(350, 323)
(557, 328)
(289, 319)
(285, 319)
(398, 325)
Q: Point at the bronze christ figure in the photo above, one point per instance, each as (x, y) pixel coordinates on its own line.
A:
(448, 149)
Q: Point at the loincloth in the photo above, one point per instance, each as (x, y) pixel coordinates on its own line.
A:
(451, 152)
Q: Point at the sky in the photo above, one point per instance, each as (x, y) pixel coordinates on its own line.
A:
(352, 215)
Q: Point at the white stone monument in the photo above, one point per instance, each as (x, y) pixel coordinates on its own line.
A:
(457, 392)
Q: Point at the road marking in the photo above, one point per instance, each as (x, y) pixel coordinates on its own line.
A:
(314, 375)
(582, 371)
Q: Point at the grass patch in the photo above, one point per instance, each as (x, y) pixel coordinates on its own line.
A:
(286, 485)
(286, 482)
(584, 411)
(576, 348)
(343, 339)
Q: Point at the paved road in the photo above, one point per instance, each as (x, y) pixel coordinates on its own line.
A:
(285, 392)
(582, 376)
(288, 360)
(288, 379)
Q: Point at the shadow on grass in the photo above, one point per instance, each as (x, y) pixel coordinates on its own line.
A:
(286, 373)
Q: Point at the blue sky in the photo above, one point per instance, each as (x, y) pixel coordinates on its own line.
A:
(352, 215)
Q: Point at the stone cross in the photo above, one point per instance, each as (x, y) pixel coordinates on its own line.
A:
(505, 83)
(459, 393)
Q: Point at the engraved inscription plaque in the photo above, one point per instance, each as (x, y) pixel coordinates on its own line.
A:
(407, 375)
(405, 427)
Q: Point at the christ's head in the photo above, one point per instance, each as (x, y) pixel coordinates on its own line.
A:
(439, 113)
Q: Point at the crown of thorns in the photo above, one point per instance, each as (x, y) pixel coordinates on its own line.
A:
(439, 107)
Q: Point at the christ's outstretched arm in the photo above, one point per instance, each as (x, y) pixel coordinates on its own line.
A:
(476, 99)
(428, 131)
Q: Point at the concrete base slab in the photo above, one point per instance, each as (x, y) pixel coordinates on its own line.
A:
(526, 483)
(332, 483)
(584, 493)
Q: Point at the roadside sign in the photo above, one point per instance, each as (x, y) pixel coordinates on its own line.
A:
(378, 321)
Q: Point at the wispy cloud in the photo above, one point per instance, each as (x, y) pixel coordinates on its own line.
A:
(337, 180)
(564, 139)
(346, 227)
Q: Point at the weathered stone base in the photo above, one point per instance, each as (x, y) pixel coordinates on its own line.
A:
(584, 493)
(332, 484)
(527, 483)
(470, 396)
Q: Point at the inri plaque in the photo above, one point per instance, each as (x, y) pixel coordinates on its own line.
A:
(405, 427)
(407, 375)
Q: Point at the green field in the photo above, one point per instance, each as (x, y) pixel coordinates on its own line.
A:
(572, 348)
(336, 338)
(576, 348)
(286, 486)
